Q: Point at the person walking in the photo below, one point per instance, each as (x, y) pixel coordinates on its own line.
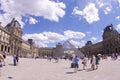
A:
(76, 65)
(14, 59)
(0, 66)
(17, 58)
(97, 61)
(1, 59)
(84, 62)
(93, 62)
(4, 56)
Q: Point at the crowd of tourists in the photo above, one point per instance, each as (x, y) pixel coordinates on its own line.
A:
(94, 61)
(3, 60)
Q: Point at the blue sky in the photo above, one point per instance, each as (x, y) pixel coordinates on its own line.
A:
(48, 22)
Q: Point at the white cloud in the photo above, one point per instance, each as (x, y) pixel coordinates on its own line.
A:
(40, 44)
(42, 39)
(100, 40)
(76, 11)
(72, 34)
(107, 9)
(102, 31)
(6, 18)
(118, 27)
(106, 6)
(82, 43)
(54, 37)
(100, 3)
(47, 9)
(88, 32)
(90, 13)
(77, 43)
(93, 39)
(32, 20)
(36, 37)
(118, 17)
(119, 2)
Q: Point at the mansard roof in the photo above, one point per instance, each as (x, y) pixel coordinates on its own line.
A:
(89, 43)
(14, 23)
(109, 31)
(109, 28)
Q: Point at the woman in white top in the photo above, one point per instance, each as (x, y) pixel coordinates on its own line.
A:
(93, 62)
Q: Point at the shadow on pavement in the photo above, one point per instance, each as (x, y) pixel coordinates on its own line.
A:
(67, 68)
(10, 77)
(70, 72)
(11, 64)
(89, 69)
(80, 70)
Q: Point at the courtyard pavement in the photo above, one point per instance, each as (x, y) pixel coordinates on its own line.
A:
(42, 69)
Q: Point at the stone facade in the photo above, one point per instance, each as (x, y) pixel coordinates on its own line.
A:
(46, 52)
(11, 40)
(4, 40)
(109, 45)
(15, 40)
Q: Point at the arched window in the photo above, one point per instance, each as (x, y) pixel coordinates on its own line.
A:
(1, 47)
(8, 49)
(5, 48)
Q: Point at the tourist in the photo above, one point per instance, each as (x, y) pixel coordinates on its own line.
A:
(0, 66)
(76, 65)
(1, 59)
(116, 56)
(50, 58)
(56, 59)
(93, 62)
(84, 62)
(72, 64)
(97, 61)
(17, 58)
(14, 59)
(4, 56)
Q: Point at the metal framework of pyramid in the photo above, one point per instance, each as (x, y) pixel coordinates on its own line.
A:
(67, 44)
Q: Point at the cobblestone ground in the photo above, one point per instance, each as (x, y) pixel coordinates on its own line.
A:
(42, 69)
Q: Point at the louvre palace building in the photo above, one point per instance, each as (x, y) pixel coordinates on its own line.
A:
(110, 43)
(11, 42)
